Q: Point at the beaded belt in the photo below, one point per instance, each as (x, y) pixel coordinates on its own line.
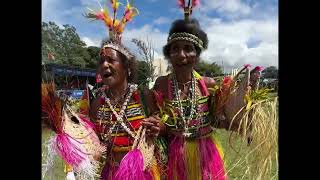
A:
(196, 132)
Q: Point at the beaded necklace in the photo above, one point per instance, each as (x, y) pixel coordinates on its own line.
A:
(119, 117)
(177, 93)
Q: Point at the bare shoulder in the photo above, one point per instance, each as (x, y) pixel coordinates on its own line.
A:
(150, 100)
(161, 83)
(147, 92)
(209, 81)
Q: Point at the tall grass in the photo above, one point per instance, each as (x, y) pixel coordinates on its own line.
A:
(258, 160)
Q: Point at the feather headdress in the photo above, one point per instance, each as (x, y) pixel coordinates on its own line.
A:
(114, 25)
(187, 7)
(181, 29)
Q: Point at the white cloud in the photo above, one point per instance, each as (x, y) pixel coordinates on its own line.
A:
(229, 8)
(57, 11)
(90, 41)
(60, 11)
(228, 42)
(48, 10)
(73, 12)
(227, 39)
(93, 3)
(161, 20)
(157, 38)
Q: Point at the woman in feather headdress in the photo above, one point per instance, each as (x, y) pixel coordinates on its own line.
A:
(120, 110)
(189, 111)
(120, 129)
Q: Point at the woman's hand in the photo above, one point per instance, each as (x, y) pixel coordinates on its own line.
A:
(236, 101)
(152, 125)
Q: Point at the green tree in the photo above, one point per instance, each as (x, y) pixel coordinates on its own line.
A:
(94, 53)
(50, 41)
(143, 72)
(65, 44)
(270, 72)
(207, 69)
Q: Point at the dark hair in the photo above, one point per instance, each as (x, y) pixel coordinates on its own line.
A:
(129, 63)
(192, 27)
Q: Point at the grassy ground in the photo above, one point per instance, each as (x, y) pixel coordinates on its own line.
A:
(235, 152)
(231, 156)
(58, 173)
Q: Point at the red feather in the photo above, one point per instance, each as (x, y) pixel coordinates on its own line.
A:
(181, 3)
(136, 96)
(195, 3)
(51, 107)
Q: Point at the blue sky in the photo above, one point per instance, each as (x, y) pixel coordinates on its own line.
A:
(239, 31)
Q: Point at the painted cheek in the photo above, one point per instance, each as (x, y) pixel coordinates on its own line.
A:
(193, 59)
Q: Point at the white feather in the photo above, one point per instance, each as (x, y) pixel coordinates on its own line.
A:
(51, 153)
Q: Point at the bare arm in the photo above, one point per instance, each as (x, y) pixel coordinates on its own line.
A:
(210, 82)
(152, 122)
(150, 101)
(160, 86)
(221, 122)
(232, 109)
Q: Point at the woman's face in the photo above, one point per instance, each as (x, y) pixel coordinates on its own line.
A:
(111, 68)
(183, 55)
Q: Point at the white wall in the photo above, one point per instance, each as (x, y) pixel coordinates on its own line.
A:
(161, 66)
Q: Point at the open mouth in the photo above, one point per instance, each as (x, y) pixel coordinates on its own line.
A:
(184, 64)
(107, 74)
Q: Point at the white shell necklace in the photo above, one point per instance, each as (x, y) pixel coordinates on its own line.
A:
(193, 103)
(119, 117)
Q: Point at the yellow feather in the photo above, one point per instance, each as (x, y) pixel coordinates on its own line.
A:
(248, 105)
(218, 145)
(155, 171)
(197, 75)
(192, 160)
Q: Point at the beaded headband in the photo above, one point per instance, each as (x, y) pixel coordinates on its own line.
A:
(118, 47)
(186, 36)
